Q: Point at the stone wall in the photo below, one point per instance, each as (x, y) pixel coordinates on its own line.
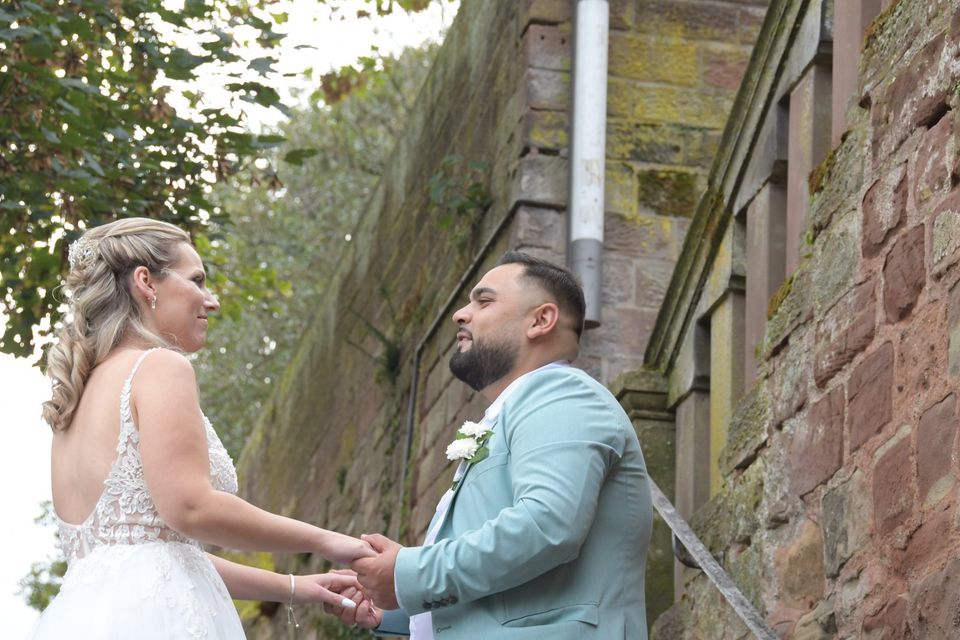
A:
(839, 514)
(345, 441)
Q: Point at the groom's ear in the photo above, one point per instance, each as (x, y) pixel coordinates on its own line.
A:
(543, 320)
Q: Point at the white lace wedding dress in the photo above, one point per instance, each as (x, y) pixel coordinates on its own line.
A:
(132, 576)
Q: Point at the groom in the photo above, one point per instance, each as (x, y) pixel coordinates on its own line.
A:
(545, 532)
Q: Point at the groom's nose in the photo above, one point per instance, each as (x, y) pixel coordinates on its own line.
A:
(460, 316)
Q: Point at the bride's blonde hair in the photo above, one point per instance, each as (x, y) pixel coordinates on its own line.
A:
(101, 308)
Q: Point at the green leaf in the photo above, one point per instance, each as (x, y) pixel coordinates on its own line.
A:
(297, 156)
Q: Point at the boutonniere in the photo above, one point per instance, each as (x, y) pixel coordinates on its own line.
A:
(470, 445)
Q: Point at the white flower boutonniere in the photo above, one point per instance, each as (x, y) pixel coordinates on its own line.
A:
(470, 443)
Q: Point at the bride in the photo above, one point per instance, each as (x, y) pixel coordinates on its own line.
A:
(140, 478)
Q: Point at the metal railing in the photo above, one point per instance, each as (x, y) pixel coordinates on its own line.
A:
(702, 559)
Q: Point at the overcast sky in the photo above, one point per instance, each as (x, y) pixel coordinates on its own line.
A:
(25, 473)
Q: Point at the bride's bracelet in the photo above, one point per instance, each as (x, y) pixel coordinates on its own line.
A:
(291, 616)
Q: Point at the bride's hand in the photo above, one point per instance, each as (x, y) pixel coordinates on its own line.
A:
(345, 549)
(364, 614)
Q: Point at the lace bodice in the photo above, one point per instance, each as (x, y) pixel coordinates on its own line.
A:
(125, 512)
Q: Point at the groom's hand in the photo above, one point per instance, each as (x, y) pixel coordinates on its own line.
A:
(376, 574)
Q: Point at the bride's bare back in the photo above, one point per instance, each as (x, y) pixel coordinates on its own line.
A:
(81, 456)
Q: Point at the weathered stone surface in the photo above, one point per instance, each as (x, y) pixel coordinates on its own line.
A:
(699, 20)
(666, 104)
(921, 356)
(846, 330)
(837, 257)
(911, 100)
(799, 567)
(647, 59)
(946, 234)
(936, 446)
(904, 274)
(543, 180)
(747, 431)
(926, 545)
(620, 189)
(816, 449)
(935, 602)
(934, 160)
(790, 306)
(547, 47)
(788, 383)
(548, 11)
(847, 514)
(884, 207)
(669, 192)
(537, 227)
(651, 277)
(819, 624)
(835, 183)
(724, 66)
(892, 483)
(731, 516)
(545, 130)
(547, 89)
(890, 623)
(870, 395)
(639, 235)
(663, 144)
(953, 327)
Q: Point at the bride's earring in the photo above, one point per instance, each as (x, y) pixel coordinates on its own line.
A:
(153, 302)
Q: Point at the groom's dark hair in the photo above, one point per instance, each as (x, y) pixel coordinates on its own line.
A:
(558, 281)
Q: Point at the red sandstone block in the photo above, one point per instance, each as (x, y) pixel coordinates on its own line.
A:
(893, 487)
(921, 356)
(904, 274)
(927, 542)
(890, 623)
(723, 67)
(953, 329)
(884, 207)
(935, 603)
(816, 451)
(870, 395)
(846, 330)
(934, 160)
(936, 442)
(547, 47)
(907, 102)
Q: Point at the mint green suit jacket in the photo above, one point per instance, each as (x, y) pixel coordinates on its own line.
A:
(547, 537)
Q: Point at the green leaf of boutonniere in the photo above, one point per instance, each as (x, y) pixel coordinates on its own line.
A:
(480, 455)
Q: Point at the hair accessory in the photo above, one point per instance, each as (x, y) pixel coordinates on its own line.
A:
(82, 252)
(153, 302)
(291, 616)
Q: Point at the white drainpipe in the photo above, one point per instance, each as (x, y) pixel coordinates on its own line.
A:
(588, 149)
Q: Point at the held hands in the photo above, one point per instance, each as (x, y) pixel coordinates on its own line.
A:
(375, 572)
(345, 549)
(364, 614)
(331, 589)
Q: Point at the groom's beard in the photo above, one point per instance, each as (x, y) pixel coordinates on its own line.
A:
(483, 364)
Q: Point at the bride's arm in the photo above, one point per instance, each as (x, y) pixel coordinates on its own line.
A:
(173, 448)
(250, 583)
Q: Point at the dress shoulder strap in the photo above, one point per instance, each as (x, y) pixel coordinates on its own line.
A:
(136, 365)
(126, 416)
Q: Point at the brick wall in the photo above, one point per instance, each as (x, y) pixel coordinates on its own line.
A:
(843, 521)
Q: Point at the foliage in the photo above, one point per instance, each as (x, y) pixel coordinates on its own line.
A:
(89, 133)
(282, 247)
(43, 582)
(457, 193)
